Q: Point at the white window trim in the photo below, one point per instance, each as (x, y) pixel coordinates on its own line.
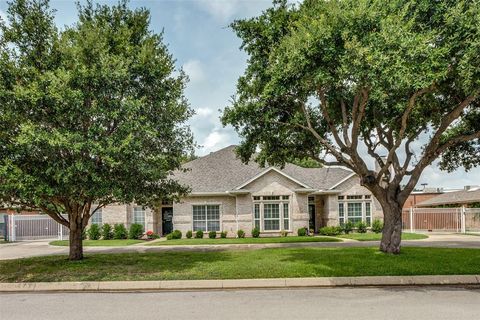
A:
(363, 202)
(280, 202)
(220, 211)
(144, 217)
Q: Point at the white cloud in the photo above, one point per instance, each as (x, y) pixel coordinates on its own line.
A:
(225, 10)
(215, 140)
(204, 112)
(194, 70)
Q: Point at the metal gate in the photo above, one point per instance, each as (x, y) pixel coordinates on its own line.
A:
(441, 219)
(34, 227)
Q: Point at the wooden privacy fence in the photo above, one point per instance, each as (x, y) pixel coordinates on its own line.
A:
(34, 227)
(441, 219)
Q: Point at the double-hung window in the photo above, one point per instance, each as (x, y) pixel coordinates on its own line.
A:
(355, 209)
(139, 216)
(97, 217)
(206, 218)
(271, 213)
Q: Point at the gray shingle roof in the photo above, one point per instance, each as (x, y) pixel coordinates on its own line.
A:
(457, 197)
(222, 171)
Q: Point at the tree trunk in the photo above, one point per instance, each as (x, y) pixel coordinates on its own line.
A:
(76, 245)
(392, 227)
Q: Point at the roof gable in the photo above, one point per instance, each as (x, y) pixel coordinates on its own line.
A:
(261, 174)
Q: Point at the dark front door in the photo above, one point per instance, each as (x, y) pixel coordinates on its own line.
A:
(312, 214)
(167, 224)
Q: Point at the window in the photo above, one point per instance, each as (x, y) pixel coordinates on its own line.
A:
(271, 213)
(354, 212)
(368, 213)
(206, 218)
(271, 216)
(286, 218)
(256, 216)
(139, 216)
(97, 217)
(341, 212)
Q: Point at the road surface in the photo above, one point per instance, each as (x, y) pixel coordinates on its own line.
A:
(335, 303)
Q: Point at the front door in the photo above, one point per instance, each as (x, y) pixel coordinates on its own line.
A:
(167, 223)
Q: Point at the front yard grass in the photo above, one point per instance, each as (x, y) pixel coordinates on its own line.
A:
(237, 264)
(370, 236)
(207, 241)
(99, 243)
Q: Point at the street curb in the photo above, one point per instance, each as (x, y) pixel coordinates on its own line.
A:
(175, 285)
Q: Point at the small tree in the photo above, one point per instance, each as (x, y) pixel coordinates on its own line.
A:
(90, 115)
(345, 81)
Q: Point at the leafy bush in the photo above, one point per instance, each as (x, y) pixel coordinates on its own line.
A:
(152, 235)
(136, 231)
(177, 234)
(348, 227)
(311, 232)
(361, 227)
(284, 233)
(94, 232)
(302, 232)
(330, 231)
(255, 232)
(377, 226)
(170, 236)
(212, 234)
(223, 234)
(189, 234)
(199, 234)
(107, 232)
(241, 233)
(119, 231)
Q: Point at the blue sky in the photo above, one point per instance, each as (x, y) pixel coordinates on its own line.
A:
(198, 36)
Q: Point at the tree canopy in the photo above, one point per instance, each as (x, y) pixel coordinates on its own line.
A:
(90, 115)
(329, 78)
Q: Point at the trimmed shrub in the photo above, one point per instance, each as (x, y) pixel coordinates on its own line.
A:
(199, 234)
(348, 227)
(241, 233)
(94, 232)
(223, 234)
(189, 234)
(177, 234)
(361, 227)
(119, 231)
(255, 233)
(377, 226)
(170, 236)
(330, 231)
(212, 234)
(107, 232)
(302, 232)
(284, 233)
(136, 231)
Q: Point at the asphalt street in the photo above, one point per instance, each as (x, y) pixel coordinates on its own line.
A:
(332, 303)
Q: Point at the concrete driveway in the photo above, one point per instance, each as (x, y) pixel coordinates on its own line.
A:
(25, 249)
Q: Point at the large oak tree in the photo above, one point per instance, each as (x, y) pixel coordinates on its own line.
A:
(330, 78)
(90, 115)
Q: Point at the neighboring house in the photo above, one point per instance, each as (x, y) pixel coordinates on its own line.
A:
(467, 197)
(418, 196)
(227, 195)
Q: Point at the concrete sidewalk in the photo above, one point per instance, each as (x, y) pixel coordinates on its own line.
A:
(26, 249)
(119, 286)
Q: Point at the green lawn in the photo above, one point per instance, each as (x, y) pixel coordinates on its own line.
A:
(238, 264)
(370, 236)
(99, 243)
(243, 240)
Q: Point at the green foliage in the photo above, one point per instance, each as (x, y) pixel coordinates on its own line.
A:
(302, 232)
(136, 231)
(377, 226)
(94, 232)
(255, 232)
(212, 234)
(284, 233)
(107, 232)
(87, 107)
(175, 235)
(189, 234)
(348, 227)
(199, 234)
(241, 233)
(330, 231)
(119, 231)
(223, 234)
(361, 227)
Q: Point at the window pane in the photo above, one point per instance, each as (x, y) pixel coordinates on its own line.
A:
(341, 211)
(213, 225)
(199, 213)
(139, 216)
(271, 197)
(257, 224)
(257, 211)
(213, 212)
(368, 213)
(272, 224)
(354, 197)
(199, 225)
(271, 210)
(97, 217)
(286, 224)
(354, 212)
(285, 210)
